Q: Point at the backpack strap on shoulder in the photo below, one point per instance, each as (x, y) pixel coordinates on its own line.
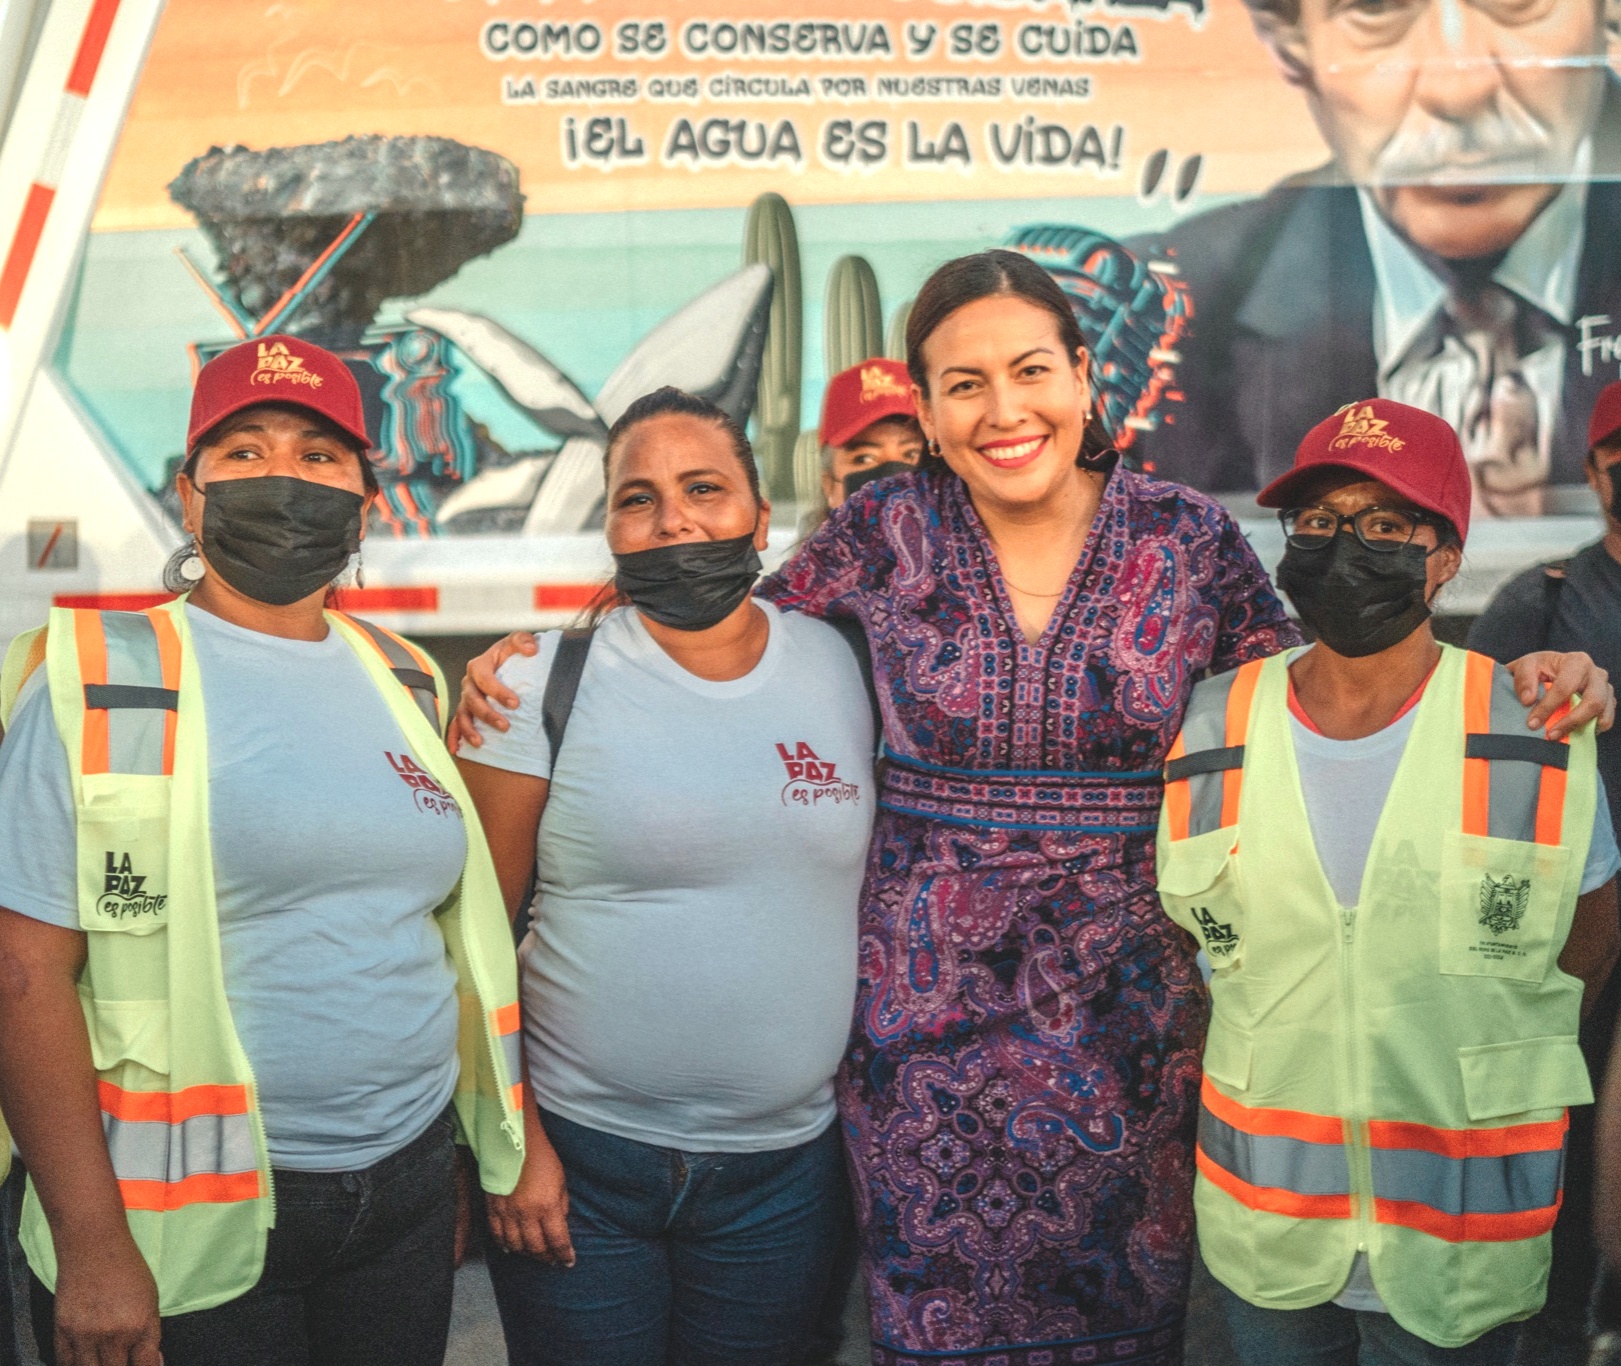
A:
(408, 665)
(557, 704)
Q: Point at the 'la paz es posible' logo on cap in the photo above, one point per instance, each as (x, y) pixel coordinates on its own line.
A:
(877, 382)
(277, 364)
(1362, 428)
(125, 895)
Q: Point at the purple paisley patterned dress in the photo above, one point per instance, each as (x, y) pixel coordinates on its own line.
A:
(1020, 1088)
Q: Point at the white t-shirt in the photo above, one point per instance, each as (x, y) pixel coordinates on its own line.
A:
(1345, 783)
(330, 857)
(690, 977)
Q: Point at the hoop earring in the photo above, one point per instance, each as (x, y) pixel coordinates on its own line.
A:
(192, 567)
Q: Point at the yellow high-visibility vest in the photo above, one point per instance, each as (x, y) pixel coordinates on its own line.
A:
(1391, 1077)
(178, 1102)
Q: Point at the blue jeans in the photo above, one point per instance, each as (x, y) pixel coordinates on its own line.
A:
(1327, 1335)
(681, 1259)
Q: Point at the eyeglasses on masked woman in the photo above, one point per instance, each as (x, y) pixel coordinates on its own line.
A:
(1379, 528)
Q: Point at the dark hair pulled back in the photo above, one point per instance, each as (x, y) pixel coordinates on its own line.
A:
(670, 400)
(981, 276)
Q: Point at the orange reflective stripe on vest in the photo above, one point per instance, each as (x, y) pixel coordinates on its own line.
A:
(130, 664)
(175, 1148)
(1468, 1185)
(1204, 771)
(408, 664)
(1281, 1161)
(1513, 782)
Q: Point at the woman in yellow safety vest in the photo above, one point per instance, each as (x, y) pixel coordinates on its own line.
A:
(255, 970)
(1406, 898)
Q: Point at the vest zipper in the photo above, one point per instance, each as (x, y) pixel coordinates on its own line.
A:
(1358, 1162)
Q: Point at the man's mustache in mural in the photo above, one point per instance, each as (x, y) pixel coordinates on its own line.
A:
(1504, 142)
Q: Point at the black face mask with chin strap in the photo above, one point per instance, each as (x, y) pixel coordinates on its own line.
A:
(689, 586)
(1358, 601)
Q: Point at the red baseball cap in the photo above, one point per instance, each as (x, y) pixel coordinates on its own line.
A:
(1415, 452)
(276, 369)
(861, 395)
(1606, 420)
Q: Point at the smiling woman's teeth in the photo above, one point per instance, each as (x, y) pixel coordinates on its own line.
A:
(1010, 453)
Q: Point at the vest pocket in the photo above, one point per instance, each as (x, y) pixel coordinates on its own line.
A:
(1501, 1080)
(1500, 906)
(123, 841)
(1198, 886)
(129, 1032)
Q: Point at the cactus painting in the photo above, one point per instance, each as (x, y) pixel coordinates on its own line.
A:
(769, 237)
(853, 325)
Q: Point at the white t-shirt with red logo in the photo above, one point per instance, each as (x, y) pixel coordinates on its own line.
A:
(691, 972)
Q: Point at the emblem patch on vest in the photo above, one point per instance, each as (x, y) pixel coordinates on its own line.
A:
(1503, 901)
(125, 895)
(1219, 939)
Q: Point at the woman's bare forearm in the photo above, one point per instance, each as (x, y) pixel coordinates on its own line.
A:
(48, 1084)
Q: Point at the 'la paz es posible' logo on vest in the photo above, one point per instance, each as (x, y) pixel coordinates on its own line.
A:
(1219, 938)
(1362, 428)
(277, 365)
(430, 797)
(125, 895)
(813, 781)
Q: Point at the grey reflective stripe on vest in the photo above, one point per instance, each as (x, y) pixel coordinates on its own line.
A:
(512, 1048)
(1290, 1164)
(1516, 783)
(1510, 1184)
(403, 665)
(1204, 729)
(134, 698)
(152, 1150)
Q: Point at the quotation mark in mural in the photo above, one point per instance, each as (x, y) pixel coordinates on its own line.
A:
(1187, 176)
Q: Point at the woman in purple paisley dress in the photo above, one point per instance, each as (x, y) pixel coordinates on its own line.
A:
(1020, 1090)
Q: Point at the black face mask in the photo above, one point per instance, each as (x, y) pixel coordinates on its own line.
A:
(275, 538)
(1358, 601)
(689, 586)
(857, 478)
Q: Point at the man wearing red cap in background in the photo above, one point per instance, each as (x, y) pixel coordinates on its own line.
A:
(869, 430)
(1407, 900)
(1575, 604)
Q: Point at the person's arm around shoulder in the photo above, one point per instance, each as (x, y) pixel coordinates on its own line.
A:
(106, 1298)
(1516, 620)
(510, 802)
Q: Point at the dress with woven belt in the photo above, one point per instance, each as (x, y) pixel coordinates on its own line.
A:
(1020, 1089)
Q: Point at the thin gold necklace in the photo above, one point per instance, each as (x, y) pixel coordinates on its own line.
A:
(1029, 593)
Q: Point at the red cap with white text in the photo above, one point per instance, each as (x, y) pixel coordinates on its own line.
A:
(276, 369)
(1414, 452)
(862, 395)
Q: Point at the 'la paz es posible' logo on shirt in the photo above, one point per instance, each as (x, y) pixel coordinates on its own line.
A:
(430, 797)
(813, 781)
(125, 895)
